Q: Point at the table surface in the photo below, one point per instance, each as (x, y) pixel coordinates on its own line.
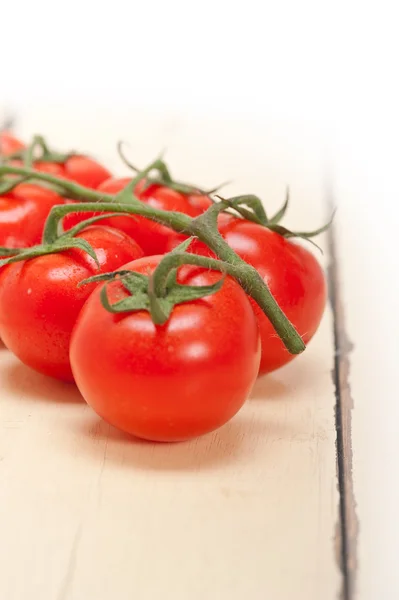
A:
(263, 507)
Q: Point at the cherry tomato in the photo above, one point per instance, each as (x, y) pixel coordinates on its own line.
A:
(83, 170)
(40, 300)
(170, 382)
(9, 144)
(51, 168)
(295, 278)
(201, 202)
(86, 171)
(152, 237)
(23, 212)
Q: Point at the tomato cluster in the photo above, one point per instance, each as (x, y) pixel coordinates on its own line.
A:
(164, 380)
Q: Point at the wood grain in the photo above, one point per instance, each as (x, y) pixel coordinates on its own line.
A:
(248, 511)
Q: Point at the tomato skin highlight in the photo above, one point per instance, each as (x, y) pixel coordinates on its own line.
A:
(171, 382)
(295, 278)
(153, 237)
(23, 213)
(40, 300)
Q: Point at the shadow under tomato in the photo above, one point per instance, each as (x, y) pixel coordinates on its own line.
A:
(25, 383)
(232, 443)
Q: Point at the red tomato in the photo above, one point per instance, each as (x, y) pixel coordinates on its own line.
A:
(201, 202)
(295, 278)
(81, 169)
(152, 237)
(86, 171)
(51, 168)
(170, 382)
(40, 300)
(9, 144)
(292, 273)
(45, 167)
(23, 212)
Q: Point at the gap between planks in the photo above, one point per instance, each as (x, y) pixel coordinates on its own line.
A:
(347, 526)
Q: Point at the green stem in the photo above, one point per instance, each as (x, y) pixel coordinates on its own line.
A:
(74, 190)
(177, 259)
(159, 165)
(250, 281)
(175, 220)
(10, 251)
(253, 202)
(205, 228)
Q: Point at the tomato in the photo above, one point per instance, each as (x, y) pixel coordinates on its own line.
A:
(23, 212)
(86, 171)
(40, 300)
(170, 382)
(9, 144)
(51, 168)
(83, 170)
(200, 202)
(295, 278)
(45, 167)
(153, 238)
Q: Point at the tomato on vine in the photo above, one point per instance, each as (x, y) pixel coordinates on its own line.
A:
(171, 381)
(154, 238)
(73, 166)
(40, 298)
(23, 212)
(240, 264)
(292, 273)
(294, 277)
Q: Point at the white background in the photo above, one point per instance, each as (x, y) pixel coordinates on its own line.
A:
(330, 69)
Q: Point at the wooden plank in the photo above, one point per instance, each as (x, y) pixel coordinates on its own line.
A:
(366, 250)
(250, 510)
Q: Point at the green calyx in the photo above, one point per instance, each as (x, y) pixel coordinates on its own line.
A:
(38, 151)
(142, 295)
(257, 214)
(161, 176)
(160, 292)
(60, 243)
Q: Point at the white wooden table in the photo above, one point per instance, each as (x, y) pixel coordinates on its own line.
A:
(262, 508)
